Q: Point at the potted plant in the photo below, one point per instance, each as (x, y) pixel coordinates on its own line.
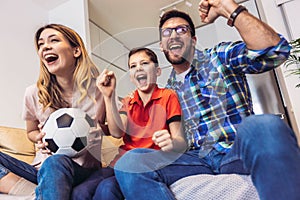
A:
(294, 59)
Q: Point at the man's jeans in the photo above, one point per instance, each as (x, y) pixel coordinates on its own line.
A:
(265, 147)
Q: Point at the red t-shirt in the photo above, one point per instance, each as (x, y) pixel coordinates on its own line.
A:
(162, 109)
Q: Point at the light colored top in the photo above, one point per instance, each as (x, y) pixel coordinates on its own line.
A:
(33, 110)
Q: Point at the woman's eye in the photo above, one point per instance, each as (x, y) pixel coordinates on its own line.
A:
(132, 66)
(39, 45)
(54, 40)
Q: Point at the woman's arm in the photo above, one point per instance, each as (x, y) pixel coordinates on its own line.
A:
(35, 135)
(33, 131)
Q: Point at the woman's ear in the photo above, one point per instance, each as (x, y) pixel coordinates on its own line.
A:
(77, 52)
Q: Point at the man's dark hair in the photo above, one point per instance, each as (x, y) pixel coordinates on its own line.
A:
(176, 13)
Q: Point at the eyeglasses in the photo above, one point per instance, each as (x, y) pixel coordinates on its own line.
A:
(180, 30)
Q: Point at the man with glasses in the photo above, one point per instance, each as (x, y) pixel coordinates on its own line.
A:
(224, 134)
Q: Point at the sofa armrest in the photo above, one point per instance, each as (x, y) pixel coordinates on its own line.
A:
(14, 142)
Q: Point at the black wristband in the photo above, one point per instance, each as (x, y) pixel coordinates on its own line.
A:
(235, 13)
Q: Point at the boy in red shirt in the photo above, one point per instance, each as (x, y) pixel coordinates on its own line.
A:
(151, 118)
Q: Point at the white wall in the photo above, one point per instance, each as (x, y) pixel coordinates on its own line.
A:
(274, 14)
(73, 13)
(19, 62)
(291, 12)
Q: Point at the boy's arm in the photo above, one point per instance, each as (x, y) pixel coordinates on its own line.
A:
(178, 137)
(116, 122)
(106, 83)
(173, 141)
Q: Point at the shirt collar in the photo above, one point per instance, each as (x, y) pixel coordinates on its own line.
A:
(157, 94)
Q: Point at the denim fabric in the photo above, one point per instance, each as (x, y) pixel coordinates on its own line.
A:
(3, 171)
(265, 147)
(20, 168)
(86, 190)
(108, 189)
(57, 176)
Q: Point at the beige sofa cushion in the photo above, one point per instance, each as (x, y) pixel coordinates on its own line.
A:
(14, 142)
(110, 148)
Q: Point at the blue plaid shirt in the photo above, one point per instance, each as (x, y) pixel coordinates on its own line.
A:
(215, 95)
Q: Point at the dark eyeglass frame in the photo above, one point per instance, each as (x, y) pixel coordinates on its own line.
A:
(180, 30)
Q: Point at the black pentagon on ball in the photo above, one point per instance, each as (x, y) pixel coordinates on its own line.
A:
(52, 145)
(79, 143)
(64, 121)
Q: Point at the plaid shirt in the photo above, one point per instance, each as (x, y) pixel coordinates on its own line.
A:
(215, 95)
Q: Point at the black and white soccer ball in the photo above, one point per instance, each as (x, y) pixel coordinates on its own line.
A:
(67, 131)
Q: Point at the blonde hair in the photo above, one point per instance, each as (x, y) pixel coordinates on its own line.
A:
(49, 91)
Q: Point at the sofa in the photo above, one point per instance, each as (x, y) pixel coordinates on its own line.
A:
(14, 142)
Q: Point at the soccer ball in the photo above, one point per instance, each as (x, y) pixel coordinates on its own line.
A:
(67, 131)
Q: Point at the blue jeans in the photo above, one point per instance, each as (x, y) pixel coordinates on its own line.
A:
(108, 189)
(57, 177)
(20, 168)
(86, 190)
(265, 147)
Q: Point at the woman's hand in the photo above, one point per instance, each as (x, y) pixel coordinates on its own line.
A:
(42, 146)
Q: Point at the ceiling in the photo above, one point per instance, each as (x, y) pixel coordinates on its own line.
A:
(135, 22)
(132, 22)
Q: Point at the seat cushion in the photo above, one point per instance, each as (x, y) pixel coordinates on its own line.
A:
(14, 142)
(211, 187)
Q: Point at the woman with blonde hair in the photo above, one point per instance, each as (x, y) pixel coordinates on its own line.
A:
(67, 79)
